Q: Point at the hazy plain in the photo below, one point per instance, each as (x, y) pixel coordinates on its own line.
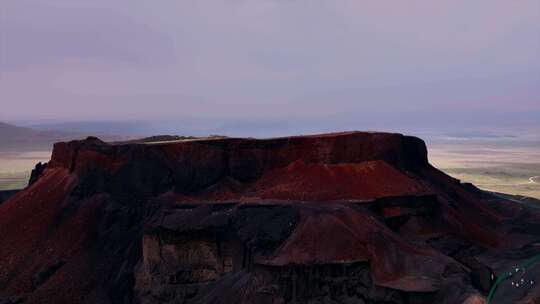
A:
(15, 167)
(508, 165)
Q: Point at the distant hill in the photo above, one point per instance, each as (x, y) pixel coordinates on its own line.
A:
(15, 138)
(101, 128)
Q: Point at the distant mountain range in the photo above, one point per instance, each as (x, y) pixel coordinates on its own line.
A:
(98, 128)
(15, 138)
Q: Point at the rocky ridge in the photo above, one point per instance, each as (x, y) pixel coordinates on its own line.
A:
(350, 217)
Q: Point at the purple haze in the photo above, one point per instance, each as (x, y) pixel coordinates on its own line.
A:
(398, 62)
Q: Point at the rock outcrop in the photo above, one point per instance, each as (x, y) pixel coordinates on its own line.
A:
(337, 218)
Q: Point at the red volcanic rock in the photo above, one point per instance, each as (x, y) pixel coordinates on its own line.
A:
(322, 182)
(348, 217)
(345, 235)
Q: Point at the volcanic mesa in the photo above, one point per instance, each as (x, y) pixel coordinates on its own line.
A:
(350, 217)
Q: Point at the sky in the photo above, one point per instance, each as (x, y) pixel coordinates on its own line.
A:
(342, 63)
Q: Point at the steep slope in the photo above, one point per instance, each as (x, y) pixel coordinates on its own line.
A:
(336, 218)
(4, 195)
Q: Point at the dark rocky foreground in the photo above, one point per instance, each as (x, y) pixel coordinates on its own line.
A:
(337, 218)
(5, 194)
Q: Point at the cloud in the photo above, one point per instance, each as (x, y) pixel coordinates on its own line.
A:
(48, 32)
(263, 58)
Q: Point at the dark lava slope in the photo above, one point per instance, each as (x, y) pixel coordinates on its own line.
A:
(5, 194)
(337, 218)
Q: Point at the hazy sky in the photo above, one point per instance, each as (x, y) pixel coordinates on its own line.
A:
(296, 59)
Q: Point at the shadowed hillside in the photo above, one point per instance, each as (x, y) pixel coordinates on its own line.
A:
(352, 217)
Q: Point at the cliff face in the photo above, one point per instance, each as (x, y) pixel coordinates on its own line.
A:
(192, 166)
(337, 218)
